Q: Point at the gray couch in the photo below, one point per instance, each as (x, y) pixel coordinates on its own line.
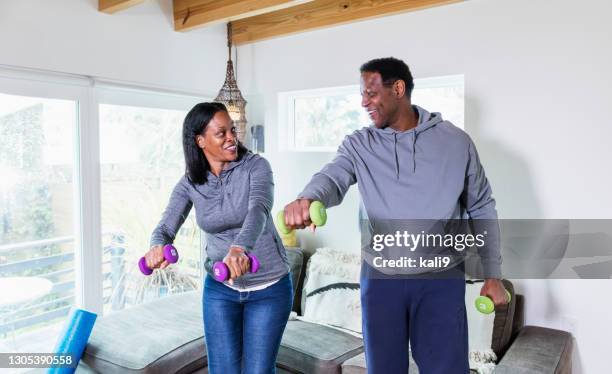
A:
(166, 336)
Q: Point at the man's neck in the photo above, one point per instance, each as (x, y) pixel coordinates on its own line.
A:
(408, 118)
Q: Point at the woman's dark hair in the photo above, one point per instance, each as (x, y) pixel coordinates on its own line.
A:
(196, 121)
(390, 69)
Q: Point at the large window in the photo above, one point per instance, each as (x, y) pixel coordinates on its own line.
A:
(319, 119)
(37, 219)
(141, 160)
(85, 173)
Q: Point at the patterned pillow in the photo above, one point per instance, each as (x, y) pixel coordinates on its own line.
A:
(331, 290)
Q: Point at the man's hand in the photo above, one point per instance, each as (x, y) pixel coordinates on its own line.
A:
(297, 215)
(237, 262)
(494, 290)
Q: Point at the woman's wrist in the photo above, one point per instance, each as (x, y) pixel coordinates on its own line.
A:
(237, 248)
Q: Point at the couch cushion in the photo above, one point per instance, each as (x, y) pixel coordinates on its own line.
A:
(162, 336)
(538, 350)
(357, 365)
(316, 349)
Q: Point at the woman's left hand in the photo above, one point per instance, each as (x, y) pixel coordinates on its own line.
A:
(237, 262)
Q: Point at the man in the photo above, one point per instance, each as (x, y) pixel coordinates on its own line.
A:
(411, 164)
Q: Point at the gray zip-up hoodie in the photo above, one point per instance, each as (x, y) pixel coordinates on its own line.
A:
(431, 172)
(233, 209)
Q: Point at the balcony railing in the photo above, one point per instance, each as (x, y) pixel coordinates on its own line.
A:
(59, 269)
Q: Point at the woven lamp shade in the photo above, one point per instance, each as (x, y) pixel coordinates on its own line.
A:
(230, 95)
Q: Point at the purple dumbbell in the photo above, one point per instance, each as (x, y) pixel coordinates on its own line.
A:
(222, 272)
(170, 254)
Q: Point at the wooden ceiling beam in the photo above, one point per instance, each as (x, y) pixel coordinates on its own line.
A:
(112, 6)
(190, 14)
(321, 13)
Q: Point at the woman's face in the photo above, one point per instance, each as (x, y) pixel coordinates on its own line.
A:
(219, 139)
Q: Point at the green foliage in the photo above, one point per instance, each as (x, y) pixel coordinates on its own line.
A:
(27, 213)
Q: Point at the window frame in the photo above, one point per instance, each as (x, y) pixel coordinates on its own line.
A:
(89, 93)
(87, 258)
(286, 107)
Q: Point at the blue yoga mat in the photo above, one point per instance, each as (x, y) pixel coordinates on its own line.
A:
(73, 338)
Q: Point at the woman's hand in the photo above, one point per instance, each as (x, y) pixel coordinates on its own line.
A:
(237, 263)
(155, 257)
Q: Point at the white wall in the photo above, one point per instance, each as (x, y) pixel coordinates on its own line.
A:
(135, 45)
(537, 105)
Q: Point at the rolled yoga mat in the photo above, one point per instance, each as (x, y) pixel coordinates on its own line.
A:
(73, 338)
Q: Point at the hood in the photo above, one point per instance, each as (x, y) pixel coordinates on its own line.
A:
(231, 165)
(425, 122)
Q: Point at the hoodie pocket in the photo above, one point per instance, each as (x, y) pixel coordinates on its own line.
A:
(277, 245)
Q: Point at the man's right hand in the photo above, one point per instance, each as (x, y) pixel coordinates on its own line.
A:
(297, 215)
(155, 257)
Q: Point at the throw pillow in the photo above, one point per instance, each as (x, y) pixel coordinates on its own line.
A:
(331, 289)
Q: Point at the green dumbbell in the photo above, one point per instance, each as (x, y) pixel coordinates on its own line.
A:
(485, 305)
(318, 216)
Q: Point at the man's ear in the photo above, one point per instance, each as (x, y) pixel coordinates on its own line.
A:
(399, 88)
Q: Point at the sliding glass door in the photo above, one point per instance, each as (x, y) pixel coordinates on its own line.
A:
(85, 174)
(141, 160)
(39, 212)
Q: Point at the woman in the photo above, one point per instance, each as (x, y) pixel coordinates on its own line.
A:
(232, 191)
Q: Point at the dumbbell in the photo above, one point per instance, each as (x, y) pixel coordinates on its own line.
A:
(318, 216)
(170, 254)
(222, 272)
(485, 305)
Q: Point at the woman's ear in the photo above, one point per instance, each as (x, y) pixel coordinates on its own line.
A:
(200, 141)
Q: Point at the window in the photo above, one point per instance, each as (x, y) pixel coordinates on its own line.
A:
(320, 119)
(70, 236)
(39, 211)
(141, 160)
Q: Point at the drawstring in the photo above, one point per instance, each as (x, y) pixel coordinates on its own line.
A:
(414, 140)
(414, 136)
(396, 157)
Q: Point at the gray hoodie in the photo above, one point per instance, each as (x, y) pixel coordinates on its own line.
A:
(431, 172)
(233, 209)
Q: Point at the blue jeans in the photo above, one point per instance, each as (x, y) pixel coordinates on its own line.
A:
(243, 330)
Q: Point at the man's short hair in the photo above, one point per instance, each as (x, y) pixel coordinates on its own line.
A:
(390, 69)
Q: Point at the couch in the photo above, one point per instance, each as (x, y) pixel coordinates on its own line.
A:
(166, 336)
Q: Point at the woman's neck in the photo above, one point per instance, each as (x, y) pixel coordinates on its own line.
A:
(216, 167)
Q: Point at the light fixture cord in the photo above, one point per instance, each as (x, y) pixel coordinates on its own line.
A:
(229, 40)
(229, 49)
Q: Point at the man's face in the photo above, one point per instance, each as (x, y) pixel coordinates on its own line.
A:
(378, 100)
